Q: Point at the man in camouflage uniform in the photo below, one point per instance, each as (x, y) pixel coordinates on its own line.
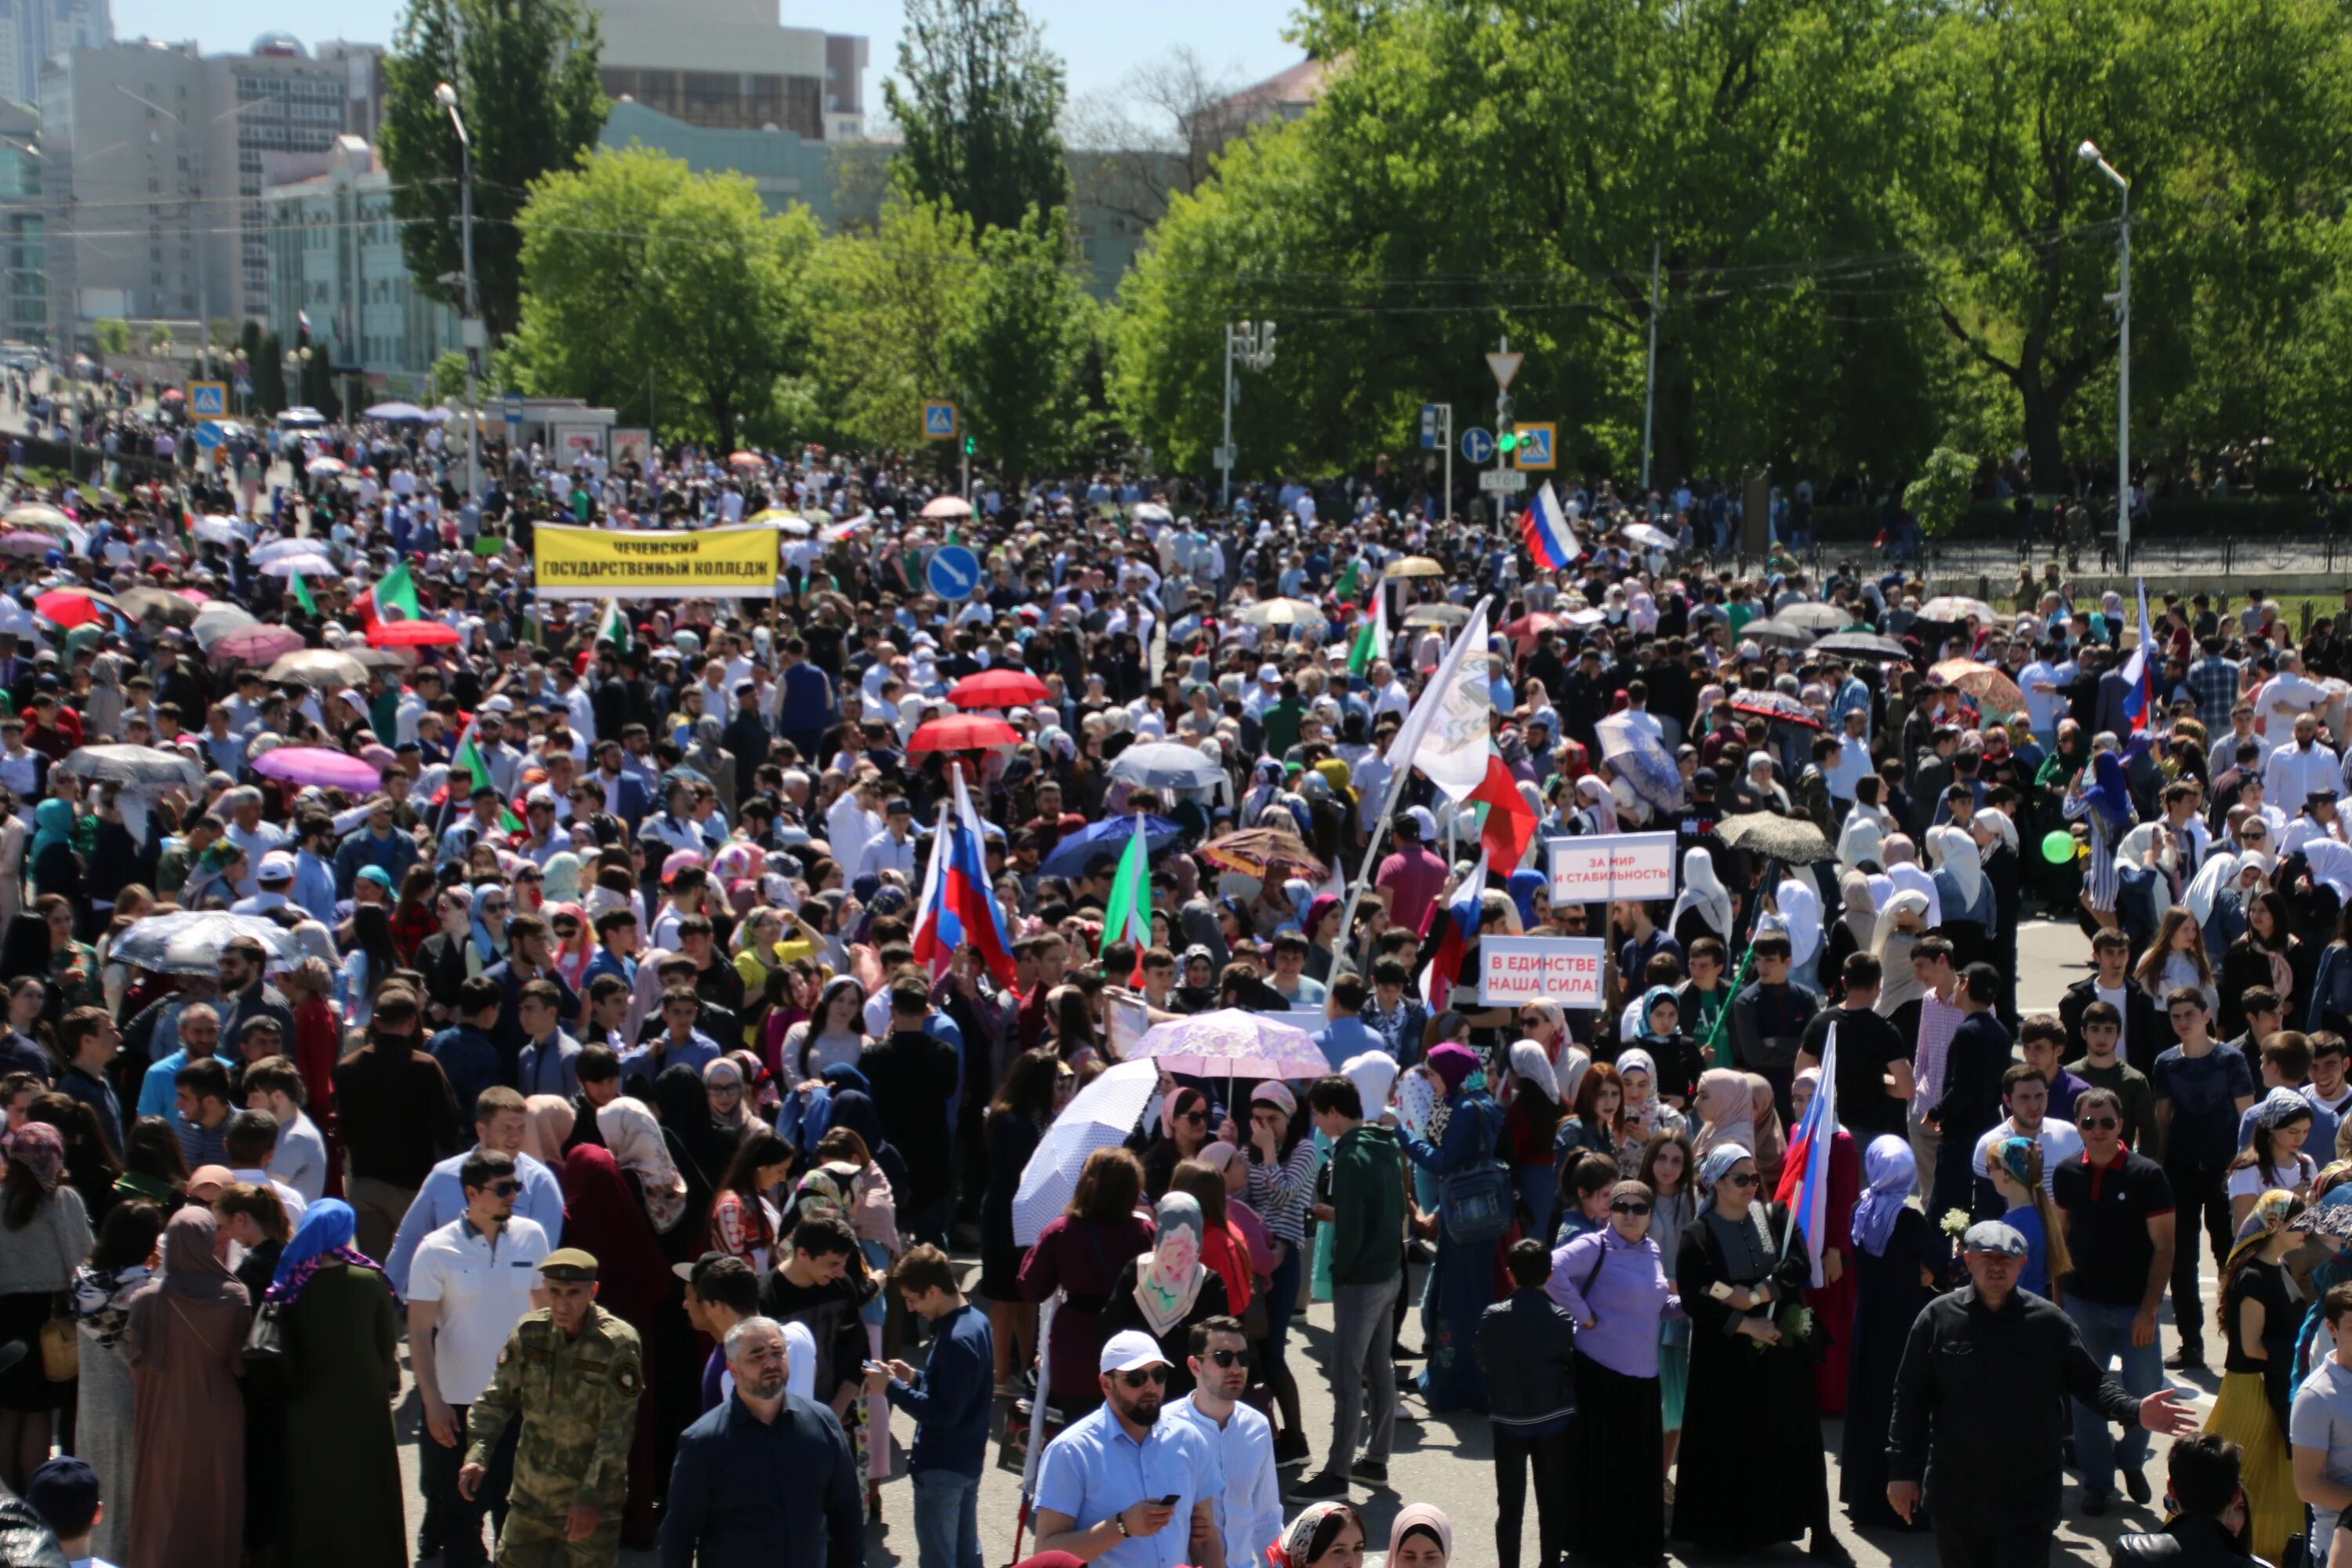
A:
(571, 1372)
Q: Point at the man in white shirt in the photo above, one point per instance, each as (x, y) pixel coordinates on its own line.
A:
(892, 849)
(2026, 1091)
(2302, 766)
(471, 1283)
(274, 1085)
(1249, 1510)
(251, 1139)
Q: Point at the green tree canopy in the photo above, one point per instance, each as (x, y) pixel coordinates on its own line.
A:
(642, 281)
(888, 301)
(1021, 353)
(525, 71)
(980, 112)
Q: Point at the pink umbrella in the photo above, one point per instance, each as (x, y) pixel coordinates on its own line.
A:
(320, 765)
(194, 595)
(1231, 1043)
(258, 646)
(32, 545)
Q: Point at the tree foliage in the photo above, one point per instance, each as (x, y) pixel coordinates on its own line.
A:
(980, 110)
(1021, 353)
(525, 71)
(664, 294)
(888, 301)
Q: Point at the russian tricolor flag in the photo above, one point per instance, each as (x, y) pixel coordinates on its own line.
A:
(2139, 672)
(1457, 928)
(1543, 527)
(1805, 1170)
(958, 908)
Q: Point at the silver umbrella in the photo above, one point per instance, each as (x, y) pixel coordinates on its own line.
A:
(149, 766)
(190, 941)
(1165, 764)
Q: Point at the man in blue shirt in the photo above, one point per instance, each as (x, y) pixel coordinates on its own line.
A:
(500, 1120)
(198, 1030)
(1101, 1482)
(680, 1041)
(768, 1476)
(951, 1400)
(1347, 1035)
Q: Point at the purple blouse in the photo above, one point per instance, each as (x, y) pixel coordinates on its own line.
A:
(1629, 1298)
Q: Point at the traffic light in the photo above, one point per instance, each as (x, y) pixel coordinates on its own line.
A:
(1506, 436)
(970, 446)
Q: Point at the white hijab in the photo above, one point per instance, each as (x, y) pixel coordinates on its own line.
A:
(2219, 871)
(1529, 1062)
(1955, 849)
(1997, 823)
(1800, 912)
(1862, 838)
(2331, 865)
(1703, 890)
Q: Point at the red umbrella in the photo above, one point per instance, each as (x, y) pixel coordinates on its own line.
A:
(411, 633)
(997, 688)
(962, 733)
(68, 606)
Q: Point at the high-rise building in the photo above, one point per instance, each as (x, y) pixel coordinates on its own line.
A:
(730, 65)
(33, 32)
(24, 274)
(153, 174)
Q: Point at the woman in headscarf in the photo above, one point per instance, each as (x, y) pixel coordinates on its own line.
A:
(1528, 1125)
(1904, 875)
(1647, 1113)
(1961, 888)
(548, 1120)
(1902, 921)
(2258, 1320)
(1751, 1433)
(633, 1135)
(1770, 1144)
(1280, 1186)
(1530, 891)
(1165, 1291)
(124, 1260)
(186, 1332)
(1421, 1536)
(634, 1283)
(51, 861)
(44, 1233)
(1722, 1112)
(1798, 905)
(573, 943)
(728, 1097)
(1899, 1261)
(1324, 1535)
(1464, 1127)
(1851, 932)
(1704, 906)
(341, 1501)
(2273, 1159)
(1615, 1284)
(1833, 1300)
(699, 1147)
(1184, 1131)
(1080, 1252)
(2105, 806)
(1596, 811)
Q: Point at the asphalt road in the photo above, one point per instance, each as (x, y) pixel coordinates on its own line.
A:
(1446, 1460)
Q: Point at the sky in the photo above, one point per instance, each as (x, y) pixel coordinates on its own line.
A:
(1102, 44)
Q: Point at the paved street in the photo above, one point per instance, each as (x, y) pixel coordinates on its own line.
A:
(1446, 1460)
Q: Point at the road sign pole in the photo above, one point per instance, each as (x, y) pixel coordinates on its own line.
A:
(1650, 381)
(1502, 407)
(1446, 511)
(1225, 452)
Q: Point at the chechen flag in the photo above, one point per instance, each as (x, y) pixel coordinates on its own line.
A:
(1543, 527)
(1805, 1169)
(1457, 928)
(394, 598)
(958, 909)
(2139, 672)
(1510, 820)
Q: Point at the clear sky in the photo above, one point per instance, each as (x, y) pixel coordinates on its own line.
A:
(1101, 42)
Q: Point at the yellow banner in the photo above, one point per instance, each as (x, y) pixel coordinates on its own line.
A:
(609, 563)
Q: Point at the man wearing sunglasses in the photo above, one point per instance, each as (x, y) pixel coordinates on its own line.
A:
(2119, 1209)
(471, 1283)
(1114, 1485)
(1249, 1510)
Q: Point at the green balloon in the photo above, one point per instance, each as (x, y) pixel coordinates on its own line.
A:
(2058, 846)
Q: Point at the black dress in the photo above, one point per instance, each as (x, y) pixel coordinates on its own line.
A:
(1750, 1471)
(1011, 1138)
(1121, 1312)
(1887, 1297)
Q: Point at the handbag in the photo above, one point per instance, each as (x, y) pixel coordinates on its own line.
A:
(60, 1337)
(268, 1365)
(1475, 1204)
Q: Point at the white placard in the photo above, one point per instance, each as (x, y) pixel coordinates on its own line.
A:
(1515, 969)
(1129, 1017)
(1613, 866)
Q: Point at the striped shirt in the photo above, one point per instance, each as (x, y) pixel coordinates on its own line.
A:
(1282, 1193)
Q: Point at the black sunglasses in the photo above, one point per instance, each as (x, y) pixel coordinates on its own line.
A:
(1230, 1358)
(1198, 1118)
(1630, 1207)
(1149, 1374)
(1749, 1180)
(2098, 1122)
(505, 1189)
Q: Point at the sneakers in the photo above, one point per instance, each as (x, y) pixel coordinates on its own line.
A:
(2187, 1357)
(1291, 1450)
(2135, 1485)
(1321, 1487)
(1372, 1473)
(2095, 1503)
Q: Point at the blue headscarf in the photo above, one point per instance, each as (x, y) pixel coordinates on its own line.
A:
(1891, 1172)
(327, 1224)
(2109, 796)
(1525, 883)
(53, 820)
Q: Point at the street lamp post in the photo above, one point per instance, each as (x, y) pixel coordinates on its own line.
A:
(2089, 152)
(1252, 343)
(470, 330)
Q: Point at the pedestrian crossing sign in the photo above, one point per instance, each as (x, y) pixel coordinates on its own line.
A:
(939, 421)
(207, 400)
(1535, 449)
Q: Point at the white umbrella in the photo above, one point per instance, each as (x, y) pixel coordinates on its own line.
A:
(1166, 765)
(218, 619)
(1233, 1042)
(308, 564)
(190, 941)
(277, 549)
(133, 766)
(1151, 512)
(1101, 1116)
(215, 530)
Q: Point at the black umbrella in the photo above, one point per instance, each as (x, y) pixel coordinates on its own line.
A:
(1787, 838)
(1862, 645)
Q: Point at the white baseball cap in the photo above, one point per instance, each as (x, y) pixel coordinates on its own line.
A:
(1131, 1349)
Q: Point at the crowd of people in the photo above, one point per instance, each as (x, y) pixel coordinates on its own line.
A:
(597, 1060)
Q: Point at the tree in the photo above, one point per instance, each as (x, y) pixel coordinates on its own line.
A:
(448, 375)
(1154, 136)
(644, 281)
(1020, 354)
(112, 335)
(525, 71)
(269, 358)
(980, 112)
(889, 302)
(1939, 497)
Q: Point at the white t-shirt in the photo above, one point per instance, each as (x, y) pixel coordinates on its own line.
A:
(2249, 1182)
(484, 1290)
(2060, 1144)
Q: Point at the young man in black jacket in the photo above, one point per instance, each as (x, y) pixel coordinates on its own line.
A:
(914, 1078)
(1525, 1346)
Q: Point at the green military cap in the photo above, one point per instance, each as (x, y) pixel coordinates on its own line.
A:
(568, 1263)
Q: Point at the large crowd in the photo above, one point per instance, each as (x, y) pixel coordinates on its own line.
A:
(552, 1002)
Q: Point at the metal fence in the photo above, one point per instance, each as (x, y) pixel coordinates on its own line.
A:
(2240, 557)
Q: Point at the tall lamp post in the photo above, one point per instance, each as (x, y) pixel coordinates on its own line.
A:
(2089, 152)
(471, 328)
(1252, 343)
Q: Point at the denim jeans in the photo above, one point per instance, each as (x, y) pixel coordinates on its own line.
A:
(2107, 1334)
(947, 1519)
(1360, 1355)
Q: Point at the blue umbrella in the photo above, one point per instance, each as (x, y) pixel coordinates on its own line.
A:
(1071, 854)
